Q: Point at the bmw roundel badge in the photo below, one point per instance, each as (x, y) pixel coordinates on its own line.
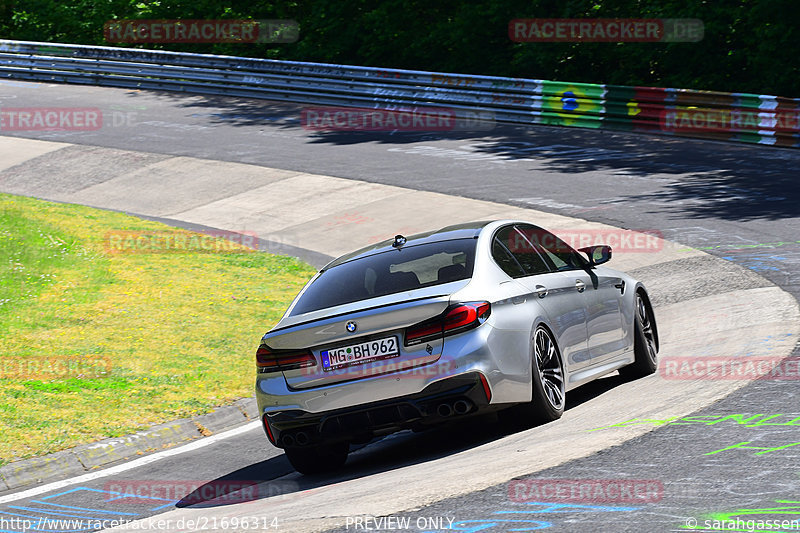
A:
(351, 327)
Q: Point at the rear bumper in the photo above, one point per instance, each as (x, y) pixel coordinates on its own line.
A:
(402, 399)
(482, 350)
(444, 400)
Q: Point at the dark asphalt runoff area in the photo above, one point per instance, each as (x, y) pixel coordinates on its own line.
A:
(737, 459)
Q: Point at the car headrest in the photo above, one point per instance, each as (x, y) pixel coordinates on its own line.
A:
(396, 282)
(451, 273)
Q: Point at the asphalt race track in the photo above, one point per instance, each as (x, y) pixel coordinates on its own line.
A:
(733, 451)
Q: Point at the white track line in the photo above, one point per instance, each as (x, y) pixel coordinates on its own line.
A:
(133, 464)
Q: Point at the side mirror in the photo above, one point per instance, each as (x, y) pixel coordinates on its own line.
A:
(597, 254)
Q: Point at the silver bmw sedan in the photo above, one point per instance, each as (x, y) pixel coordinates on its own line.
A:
(421, 330)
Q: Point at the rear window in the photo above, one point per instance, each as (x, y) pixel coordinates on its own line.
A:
(390, 272)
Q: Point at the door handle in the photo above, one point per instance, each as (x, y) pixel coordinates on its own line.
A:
(541, 290)
(581, 286)
(621, 286)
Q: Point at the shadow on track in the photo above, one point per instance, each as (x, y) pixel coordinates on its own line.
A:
(695, 178)
(263, 479)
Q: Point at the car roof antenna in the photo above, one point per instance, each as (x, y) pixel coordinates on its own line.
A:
(399, 241)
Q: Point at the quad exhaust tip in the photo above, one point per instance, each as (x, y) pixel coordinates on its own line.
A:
(444, 410)
(459, 407)
(299, 438)
(462, 407)
(302, 438)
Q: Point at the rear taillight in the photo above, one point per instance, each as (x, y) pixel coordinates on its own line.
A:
(269, 360)
(455, 319)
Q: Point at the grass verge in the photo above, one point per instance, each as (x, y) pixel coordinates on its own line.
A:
(96, 342)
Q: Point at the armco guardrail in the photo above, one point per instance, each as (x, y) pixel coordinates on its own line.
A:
(724, 116)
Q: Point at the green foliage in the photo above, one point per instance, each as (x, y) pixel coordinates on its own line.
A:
(749, 45)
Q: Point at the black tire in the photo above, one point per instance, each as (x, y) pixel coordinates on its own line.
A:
(548, 386)
(548, 378)
(645, 341)
(318, 459)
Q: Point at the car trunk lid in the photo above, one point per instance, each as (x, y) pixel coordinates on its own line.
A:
(351, 344)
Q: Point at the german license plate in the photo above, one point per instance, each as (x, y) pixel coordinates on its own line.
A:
(356, 354)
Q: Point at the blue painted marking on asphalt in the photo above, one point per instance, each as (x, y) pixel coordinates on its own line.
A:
(70, 491)
(170, 504)
(36, 521)
(60, 530)
(758, 261)
(52, 512)
(18, 514)
(84, 508)
(117, 495)
(481, 525)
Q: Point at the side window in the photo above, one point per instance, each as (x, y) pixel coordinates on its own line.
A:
(505, 260)
(560, 255)
(522, 251)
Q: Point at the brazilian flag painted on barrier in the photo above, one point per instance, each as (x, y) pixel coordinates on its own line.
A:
(572, 104)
